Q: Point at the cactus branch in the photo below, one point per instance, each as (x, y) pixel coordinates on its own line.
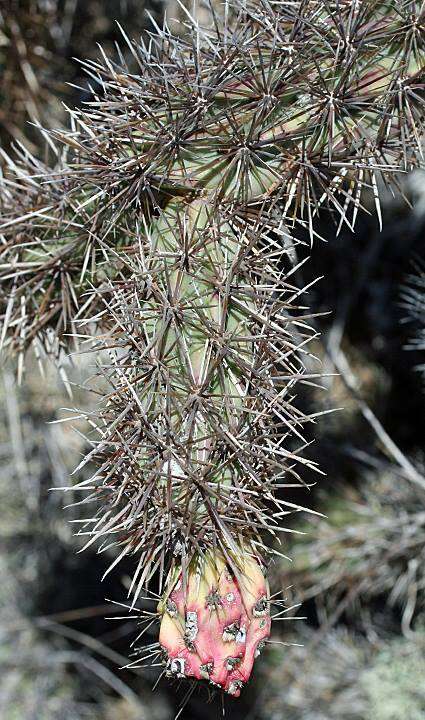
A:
(166, 238)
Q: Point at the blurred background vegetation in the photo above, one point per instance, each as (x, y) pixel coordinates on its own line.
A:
(357, 576)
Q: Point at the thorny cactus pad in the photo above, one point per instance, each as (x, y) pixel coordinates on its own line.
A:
(166, 236)
(214, 624)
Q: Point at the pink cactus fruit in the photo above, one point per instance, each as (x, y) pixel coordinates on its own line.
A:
(215, 625)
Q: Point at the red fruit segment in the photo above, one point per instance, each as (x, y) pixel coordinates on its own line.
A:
(214, 627)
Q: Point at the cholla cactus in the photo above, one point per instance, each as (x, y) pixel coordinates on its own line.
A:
(168, 232)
